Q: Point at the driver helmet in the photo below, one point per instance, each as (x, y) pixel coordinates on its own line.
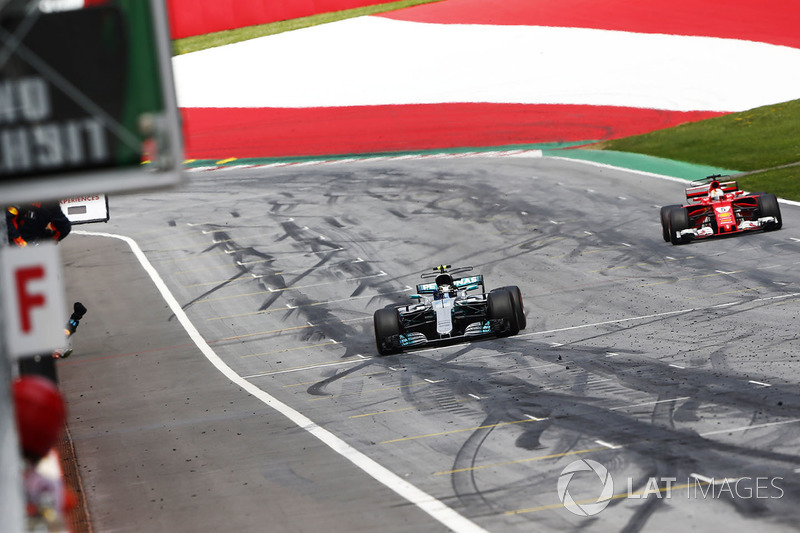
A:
(715, 192)
(444, 284)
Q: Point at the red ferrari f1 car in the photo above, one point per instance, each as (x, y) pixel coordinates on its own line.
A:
(719, 208)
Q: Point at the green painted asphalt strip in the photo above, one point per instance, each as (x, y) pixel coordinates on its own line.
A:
(638, 162)
(222, 161)
(642, 163)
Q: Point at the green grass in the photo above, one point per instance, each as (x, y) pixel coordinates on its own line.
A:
(763, 143)
(210, 40)
(784, 182)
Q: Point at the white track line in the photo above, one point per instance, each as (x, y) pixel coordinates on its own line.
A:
(616, 321)
(654, 315)
(435, 508)
(747, 428)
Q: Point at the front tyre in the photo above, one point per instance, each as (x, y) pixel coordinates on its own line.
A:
(678, 221)
(665, 220)
(387, 331)
(501, 309)
(516, 302)
(768, 207)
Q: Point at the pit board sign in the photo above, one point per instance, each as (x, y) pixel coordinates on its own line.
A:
(87, 101)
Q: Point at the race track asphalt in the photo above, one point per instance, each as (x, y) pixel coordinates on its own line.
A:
(670, 366)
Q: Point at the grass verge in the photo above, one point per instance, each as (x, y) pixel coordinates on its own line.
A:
(763, 143)
(783, 182)
(220, 38)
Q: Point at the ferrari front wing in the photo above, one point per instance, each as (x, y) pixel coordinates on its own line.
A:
(744, 225)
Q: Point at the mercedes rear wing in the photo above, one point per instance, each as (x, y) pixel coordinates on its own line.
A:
(458, 283)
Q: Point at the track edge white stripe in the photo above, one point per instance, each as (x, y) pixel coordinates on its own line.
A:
(646, 173)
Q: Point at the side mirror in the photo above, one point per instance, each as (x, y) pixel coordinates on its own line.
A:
(416, 297)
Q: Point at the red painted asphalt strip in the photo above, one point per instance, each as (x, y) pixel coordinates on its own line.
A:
(283, 132)
(767, 21)
(198, 17)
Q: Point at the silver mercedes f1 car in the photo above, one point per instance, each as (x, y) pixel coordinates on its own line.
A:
(449, 307)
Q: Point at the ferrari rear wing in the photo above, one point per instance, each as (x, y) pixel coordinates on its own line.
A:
(701, 191)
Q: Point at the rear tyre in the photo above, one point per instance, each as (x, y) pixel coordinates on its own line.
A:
(501, 308)
(387, 331)
(665, 220)
(678, 221)
(516, 302)
(768, 207)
